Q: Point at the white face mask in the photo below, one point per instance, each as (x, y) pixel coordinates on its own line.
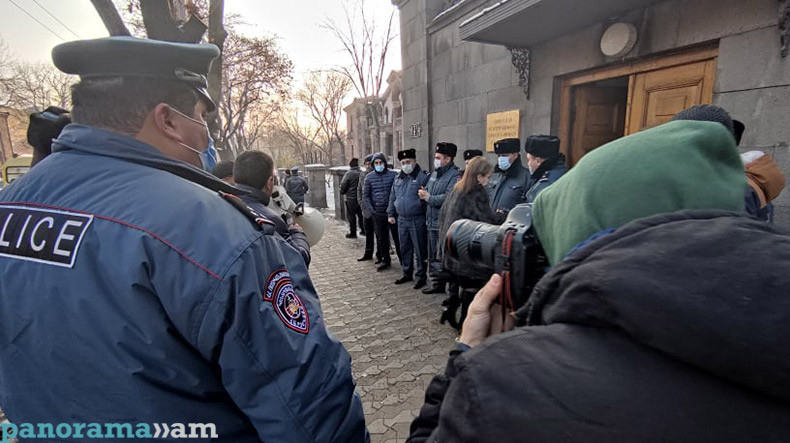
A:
(407, 169)
(437, 163)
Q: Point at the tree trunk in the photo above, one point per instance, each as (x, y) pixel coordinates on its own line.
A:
(342, 148)
(373, 111)
(110, 17)
(160, 23)
(216, 35)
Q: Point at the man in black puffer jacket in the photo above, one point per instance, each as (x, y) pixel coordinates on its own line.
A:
(671, 325)
(348, 189)
(376, 200)
(367, 217)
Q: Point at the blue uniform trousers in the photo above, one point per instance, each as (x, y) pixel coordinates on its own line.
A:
(413, 246)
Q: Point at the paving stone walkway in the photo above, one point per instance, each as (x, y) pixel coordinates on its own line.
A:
(392, 332)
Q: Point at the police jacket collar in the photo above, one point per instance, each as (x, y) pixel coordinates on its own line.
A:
(257, 194)
(443, 169)
(106, 143)
(547, 165)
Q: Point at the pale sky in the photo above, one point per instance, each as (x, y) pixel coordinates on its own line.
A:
(294, 22)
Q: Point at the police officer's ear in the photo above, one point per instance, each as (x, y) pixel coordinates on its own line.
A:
(166, 121)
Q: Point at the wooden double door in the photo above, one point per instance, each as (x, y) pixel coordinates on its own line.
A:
(609, 104)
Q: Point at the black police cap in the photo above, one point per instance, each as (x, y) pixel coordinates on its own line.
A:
(136, 57)
(543, 146)
(472, 153)
(507, 146)
(407, 153)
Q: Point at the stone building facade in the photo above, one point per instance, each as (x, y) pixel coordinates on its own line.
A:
(464, 60)
(361, 125)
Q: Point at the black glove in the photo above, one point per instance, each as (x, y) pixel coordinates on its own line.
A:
(44, 127)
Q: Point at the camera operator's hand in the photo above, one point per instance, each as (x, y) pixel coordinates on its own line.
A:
(392, 220)
(478, 320)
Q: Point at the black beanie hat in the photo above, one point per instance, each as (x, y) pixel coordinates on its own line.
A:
(446, 148)
(407, 153)
(542, 146)
(44, 127)
(472, 153)
(739, 129)
(353, 163)
(507, 146)
(707, 113)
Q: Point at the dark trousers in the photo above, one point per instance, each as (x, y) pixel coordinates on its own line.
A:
(434, 264)
(370, 232)
(413, 246)
(354, 214)
(383, 231)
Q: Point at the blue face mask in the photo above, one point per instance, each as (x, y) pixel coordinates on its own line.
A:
(208, 156)
(379, 168)
(504, 163)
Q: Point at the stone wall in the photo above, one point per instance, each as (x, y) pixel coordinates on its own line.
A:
(450, 85)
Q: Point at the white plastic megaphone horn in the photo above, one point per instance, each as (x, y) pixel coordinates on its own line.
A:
(310, 220)
(312, 223)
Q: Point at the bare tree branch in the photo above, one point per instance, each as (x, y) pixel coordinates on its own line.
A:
(367, 48)
(110, 17)
(161, 22)
(323, 94)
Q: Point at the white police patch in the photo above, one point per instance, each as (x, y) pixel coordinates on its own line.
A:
(42, 235)
(289, 306)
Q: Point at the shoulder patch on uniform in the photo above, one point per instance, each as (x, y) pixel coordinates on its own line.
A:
(248, 212)
(290, 308)
(45, 236)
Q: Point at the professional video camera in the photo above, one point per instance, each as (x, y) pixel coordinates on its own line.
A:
(511, 250)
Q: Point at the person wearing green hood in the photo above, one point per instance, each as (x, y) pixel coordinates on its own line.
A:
(662, 318)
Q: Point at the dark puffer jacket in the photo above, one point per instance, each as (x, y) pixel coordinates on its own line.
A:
(361, 190)
(673, 328)
(472, 206)
(376, 194)
(349, 185)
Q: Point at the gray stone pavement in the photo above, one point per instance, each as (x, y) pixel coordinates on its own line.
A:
(392, 332)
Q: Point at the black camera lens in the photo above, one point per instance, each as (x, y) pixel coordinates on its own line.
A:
(473, 242)
(512, 249)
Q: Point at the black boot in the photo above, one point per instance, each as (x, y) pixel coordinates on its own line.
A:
(351, 235)
(403, 280)
(448, 315)
(435, 288)
(366, 257)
